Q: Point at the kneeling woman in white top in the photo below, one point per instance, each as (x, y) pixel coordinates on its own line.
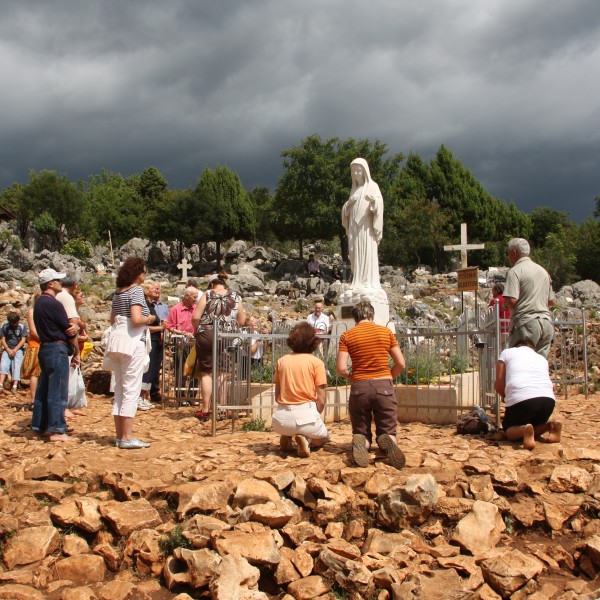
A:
(523, 381)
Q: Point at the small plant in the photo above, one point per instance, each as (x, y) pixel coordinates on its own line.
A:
(458, 363)
(45, 501)
(256, 424)
(175, 539)
(261, 373)
(78, 248)
(421, 368)
(333, 379)
(509, 522)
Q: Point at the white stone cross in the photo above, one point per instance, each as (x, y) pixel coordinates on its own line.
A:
(463, 246)
(184, 265)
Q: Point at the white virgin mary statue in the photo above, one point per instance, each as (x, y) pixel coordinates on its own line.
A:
(362, 218)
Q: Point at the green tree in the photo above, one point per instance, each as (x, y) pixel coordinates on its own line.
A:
(546, 220)
(113, 204)
(151, 187)
(558, 256)
(588, 246)
(47, 191)
(224, 206)
(262, 203)
(416, 234)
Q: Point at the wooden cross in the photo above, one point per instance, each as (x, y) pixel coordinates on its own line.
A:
(184, 265)
(463, 246)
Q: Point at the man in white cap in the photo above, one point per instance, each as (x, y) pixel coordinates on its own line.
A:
(58, 339)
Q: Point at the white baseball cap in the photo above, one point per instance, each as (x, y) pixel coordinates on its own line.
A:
(50, 275)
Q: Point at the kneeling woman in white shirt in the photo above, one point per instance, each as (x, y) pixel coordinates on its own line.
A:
(523, 381)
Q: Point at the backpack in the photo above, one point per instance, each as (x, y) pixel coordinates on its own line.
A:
(470, 424)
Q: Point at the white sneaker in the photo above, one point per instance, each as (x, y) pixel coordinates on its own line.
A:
(144, 404)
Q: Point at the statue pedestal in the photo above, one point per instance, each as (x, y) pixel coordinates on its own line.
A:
(376, 296)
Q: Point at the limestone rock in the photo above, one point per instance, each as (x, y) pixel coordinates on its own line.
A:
(409, 504)
(73, 544)
(308, 588)
(78, 511)
(235, 579)
(257, 547)
(143, 552)
(191, 567)
(83, 568)
(304, 531)
(15, 591)
(592, 548)
(508, 570)
(567, 478)
(198, 528)
(126, 517)
(273, 514)
(481, 529)
(254, 491)
(201, 496)
(30, 545)
(300, 491)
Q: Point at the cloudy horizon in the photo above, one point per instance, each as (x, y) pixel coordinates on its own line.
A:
(507, 85)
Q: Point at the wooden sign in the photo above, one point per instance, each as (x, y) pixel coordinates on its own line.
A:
(468, 279)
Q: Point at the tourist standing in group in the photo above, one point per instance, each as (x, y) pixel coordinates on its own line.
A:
(30, 369)
(372, 395)
(129, 303)
(58, 338)
(300, 382)
(179, 321)
(218, 305)
(150, 380)
(318, 320)
(528, 295)
(523, 381)
(13, 336)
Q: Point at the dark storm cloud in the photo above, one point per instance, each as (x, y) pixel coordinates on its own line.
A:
(510, 86)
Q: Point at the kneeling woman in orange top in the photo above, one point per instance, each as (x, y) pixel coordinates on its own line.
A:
(300, 382)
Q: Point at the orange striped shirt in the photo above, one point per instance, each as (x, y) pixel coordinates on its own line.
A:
(369, 345)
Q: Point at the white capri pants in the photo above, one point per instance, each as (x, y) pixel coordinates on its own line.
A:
(128, 374)
(299, 419)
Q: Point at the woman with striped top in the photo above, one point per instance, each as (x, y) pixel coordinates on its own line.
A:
(372, 395)
(129, 302)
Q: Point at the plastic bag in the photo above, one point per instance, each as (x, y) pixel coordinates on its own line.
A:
(77, 397)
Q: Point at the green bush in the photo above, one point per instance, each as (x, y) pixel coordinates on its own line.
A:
(256, 424)
(78, 248)
(174, 540)
(421, 368)
(8, 239)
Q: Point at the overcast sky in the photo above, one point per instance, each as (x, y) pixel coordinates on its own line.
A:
(511, 87)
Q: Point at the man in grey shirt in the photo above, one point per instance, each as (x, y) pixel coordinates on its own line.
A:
(529, 295)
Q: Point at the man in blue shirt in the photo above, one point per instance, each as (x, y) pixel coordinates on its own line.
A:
(58, 339)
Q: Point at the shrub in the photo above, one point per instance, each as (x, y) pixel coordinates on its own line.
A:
(421, 368)
(256, 424)
(78, 248)
(174, 540)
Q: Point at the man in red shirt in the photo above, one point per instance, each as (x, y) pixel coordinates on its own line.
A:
(372, 393)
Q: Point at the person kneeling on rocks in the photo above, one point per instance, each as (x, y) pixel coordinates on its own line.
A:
(523, 381)
(372, 393)
(300, 382)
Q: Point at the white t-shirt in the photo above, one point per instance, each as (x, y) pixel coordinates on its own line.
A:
(259, 349)
(321, 324)
(69, 303)
(526, 375)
